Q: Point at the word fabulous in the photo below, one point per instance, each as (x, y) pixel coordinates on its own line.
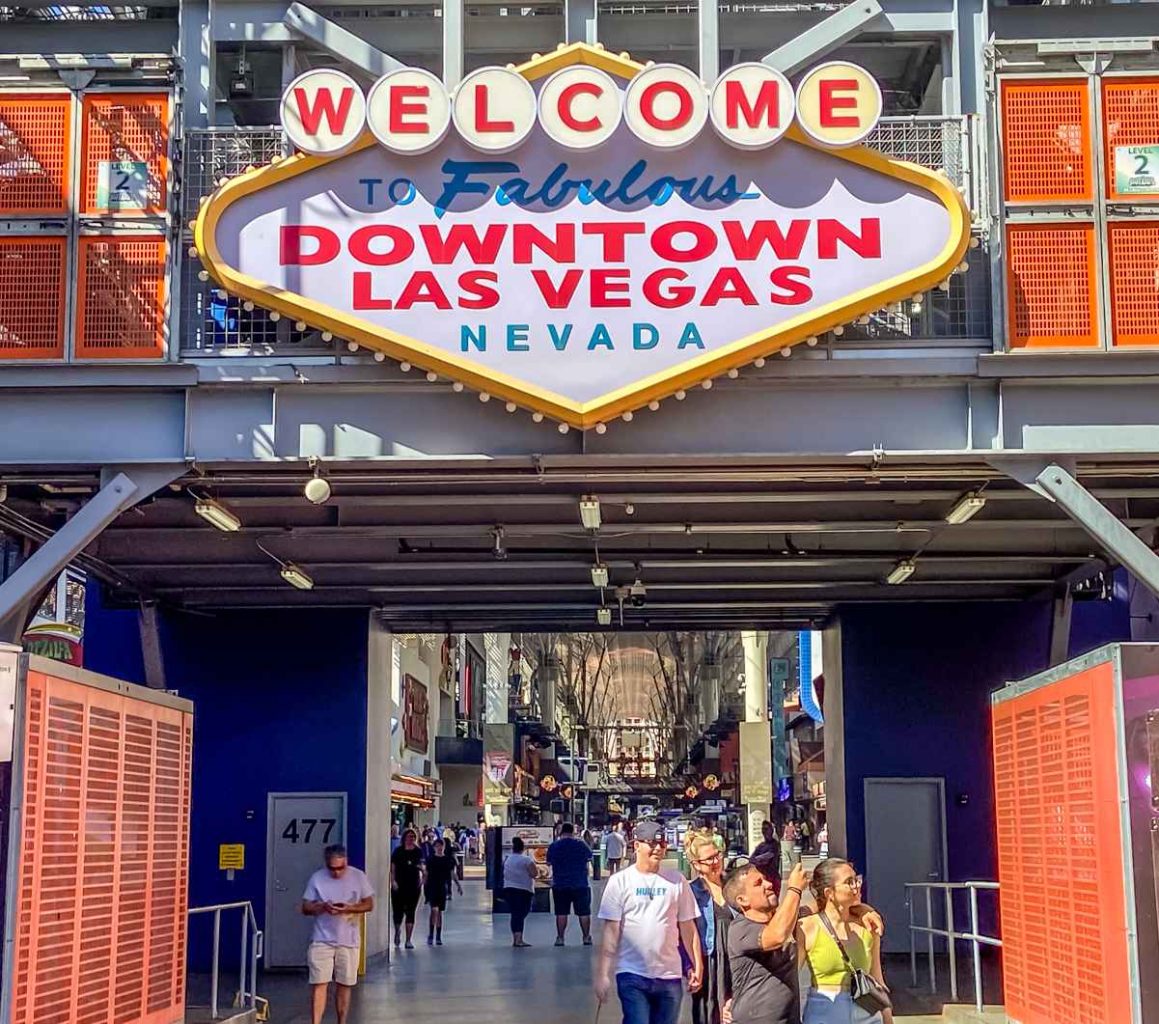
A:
(579, 107)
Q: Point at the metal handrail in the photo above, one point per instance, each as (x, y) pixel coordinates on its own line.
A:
(976, 940)
(252, 948)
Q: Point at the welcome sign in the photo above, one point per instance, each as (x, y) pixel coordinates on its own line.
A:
(582, 235)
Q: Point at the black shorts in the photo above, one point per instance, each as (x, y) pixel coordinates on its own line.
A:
(402, 904)
(436, 897)
(566, 899)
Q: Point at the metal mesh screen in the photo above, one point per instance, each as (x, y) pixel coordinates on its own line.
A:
(101, 922)
(1051, 286)
(1134, 252)
(934, 142)
(125, 127)
(35, 143)
(1130, 118)
(32, 297)
(1057, 805)
(1046, 140)
(222, 153)
(121, 296)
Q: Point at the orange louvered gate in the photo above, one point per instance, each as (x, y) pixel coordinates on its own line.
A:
(121, 297)
(35, 146)
(98, 928)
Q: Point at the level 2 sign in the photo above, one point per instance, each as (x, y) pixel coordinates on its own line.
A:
(582, 235)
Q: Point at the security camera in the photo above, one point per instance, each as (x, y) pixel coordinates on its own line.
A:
(638, 592)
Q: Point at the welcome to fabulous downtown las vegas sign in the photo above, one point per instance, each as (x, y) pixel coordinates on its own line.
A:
(582, 235)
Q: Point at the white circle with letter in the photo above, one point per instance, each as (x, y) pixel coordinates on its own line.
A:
(580, 107)
(494, 109)
(666, 106)
(323, 112)
(408, 110)
(751, 106)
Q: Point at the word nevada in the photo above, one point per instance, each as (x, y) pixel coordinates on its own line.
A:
(579, 107)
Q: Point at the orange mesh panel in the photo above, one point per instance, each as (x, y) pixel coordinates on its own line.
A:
(101, 925)
(1050, 286)
(1056, 791)
(1135, 281)
(1130, 118)
(1046, 140)
(121, 289)
(35, 143)
(125, 127)
(32, 275)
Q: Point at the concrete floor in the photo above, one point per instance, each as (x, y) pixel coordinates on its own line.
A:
(477, 977)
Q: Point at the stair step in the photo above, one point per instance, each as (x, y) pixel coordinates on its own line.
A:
(201, 1015)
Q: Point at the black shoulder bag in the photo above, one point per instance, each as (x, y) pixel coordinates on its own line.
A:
(866, 990)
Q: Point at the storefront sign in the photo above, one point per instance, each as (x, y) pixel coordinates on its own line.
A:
(756, 768)
(415, 714)
(1136, 170)
(56, 640)
(582, 235)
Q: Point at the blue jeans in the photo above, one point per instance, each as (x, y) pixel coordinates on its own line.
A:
(649, 1000)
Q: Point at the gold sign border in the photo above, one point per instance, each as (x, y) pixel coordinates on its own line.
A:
(639, 393)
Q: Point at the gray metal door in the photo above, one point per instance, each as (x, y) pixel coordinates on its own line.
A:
(299, 827)
(905, 841)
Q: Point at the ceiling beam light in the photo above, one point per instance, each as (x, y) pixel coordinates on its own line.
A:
(966, 507)
(217, 515)
(589, 509)
(599, 575)
(296, 577)
(604, 616)
(901, 572)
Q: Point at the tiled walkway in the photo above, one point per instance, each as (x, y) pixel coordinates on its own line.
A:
(476, 977)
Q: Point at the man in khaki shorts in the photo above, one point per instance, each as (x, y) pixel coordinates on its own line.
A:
(335, 895)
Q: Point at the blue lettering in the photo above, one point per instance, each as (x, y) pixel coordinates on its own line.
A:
(468, 337)
(402, 191)
(691, 336)
(638, 341)
(557, 339)
(517, 333)
(460, 184)
(600, 337)
(370, 183)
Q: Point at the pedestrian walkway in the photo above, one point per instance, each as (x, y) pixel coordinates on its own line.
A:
(477, 977)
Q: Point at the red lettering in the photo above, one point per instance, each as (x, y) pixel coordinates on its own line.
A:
(525, 237)
(866, 244)
(401, 248)
(477, 284)
(830, 102)
(400, 110)
(605, 284)
(290, 245)
(767, 107)
(423, 287)
(483, 122)
(567, 97)
(728, 283)
(311, 116)
(463, 236)
(703, 246)
(557, 297)
(668, 298)
(784, 246)
(796, 292)
(613, 236)
(363, 287)
(648, 106)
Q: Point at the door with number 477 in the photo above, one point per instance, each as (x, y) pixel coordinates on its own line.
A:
(299, 827)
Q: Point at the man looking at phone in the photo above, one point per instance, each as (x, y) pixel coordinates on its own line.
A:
(335, 895)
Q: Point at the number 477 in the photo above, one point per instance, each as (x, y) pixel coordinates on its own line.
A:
(305, 833)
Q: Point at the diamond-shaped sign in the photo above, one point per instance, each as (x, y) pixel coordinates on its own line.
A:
(583, 283)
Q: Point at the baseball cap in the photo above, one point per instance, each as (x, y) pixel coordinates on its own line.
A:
(648, 831)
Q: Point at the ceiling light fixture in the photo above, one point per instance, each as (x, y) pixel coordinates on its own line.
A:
(216, 514)
(296, 577)
(317, 489)
(604, 616)
(599, 575)
(966, 507)
(901, 572)
(589, 509)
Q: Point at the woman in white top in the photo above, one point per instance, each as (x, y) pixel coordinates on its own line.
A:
(519, 875)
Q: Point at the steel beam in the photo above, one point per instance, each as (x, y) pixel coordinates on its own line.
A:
(580, 21)
(1085, 509)
(120, 492)
(453, 44)
(1060, 626)
(834, 31)
(338, 42)
(708, 39)
(196, 48)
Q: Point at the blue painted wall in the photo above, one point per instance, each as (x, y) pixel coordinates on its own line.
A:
(1094, 623)
(279, 705)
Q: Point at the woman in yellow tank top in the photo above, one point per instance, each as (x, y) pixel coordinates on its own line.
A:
(837, 889)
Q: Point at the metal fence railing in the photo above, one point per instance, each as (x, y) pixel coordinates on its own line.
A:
(973, 936)
(250, 952)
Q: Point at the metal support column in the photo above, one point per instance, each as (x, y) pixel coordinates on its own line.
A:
(337, 41)
(708, 39)
(756, 709)
(453, 45)
(196, 49)
(121, 491)
(1060, 627)
(824, 37)
(580, 21)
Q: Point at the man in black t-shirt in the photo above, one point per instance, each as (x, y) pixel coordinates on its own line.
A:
(440, 874)
(407, 873)
(767, 855)
(761, 951)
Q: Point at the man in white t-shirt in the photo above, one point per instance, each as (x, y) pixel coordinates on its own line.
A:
(335, 896)
(647, 912)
